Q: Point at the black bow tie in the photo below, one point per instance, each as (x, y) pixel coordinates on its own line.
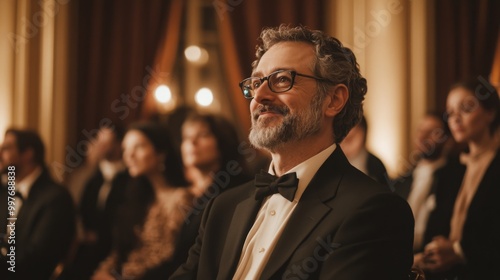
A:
(268, 184)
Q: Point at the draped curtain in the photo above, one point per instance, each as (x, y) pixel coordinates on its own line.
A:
(240, 23)
(466, 37)
(118, 57)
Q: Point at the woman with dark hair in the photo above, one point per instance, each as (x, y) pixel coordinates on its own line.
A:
(212, 164)
(209, 144)
(154, 210)
(472, 248)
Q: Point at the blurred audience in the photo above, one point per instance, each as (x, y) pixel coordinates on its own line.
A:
(354, 147)
(212, 164)
(174, 121)
(471, 249)
(210, 146)
(80, 172)
(432, 185)
(103, 193)
(153, 213)
(45, 225)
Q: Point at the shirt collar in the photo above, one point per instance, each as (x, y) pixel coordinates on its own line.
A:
(24, 186)
(110, 168)
(307, 169)
(430, 166)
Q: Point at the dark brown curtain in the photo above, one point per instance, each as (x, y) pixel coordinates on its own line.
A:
(466, 38)
(165, 57)
(118, 45)
(240, 23)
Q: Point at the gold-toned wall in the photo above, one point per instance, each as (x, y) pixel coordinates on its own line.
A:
(35, 74)
(7, 55)
(392, 40)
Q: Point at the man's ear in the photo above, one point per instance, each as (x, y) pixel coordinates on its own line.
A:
(336, 100)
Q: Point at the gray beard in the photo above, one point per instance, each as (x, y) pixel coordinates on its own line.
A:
(294, 127)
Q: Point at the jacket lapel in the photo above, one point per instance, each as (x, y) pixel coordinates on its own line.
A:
(27, 212)
(3, 209)
(309, 212)
(243, 219)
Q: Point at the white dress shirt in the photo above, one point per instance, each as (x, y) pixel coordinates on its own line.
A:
(272, 218)
(421, 201)
(23, 187)
(109, 169)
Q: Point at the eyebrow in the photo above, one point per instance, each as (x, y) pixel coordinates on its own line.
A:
(259, 73)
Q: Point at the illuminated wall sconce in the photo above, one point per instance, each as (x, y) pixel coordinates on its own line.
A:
(163, 94)
(196, 55)
(204, 97)
(165, 101)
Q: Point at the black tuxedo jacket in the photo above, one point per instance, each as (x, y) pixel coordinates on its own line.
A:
(345, 226)
(376, 169)
(44, 229)
(99, 220)
(446, 182)
(481, 233)
(94, 218)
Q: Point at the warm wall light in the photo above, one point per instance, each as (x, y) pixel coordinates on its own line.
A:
(196, 54)
(163, 94)
(204, 97)
(192, 53)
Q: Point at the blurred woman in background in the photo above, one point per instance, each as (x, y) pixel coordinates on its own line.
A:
(212, 164)
(472, 249)
(154, 211)
(209, 144)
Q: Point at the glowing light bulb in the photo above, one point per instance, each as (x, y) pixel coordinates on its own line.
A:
(193, 53)
(163, 94)
(204, 97)
(196, 55)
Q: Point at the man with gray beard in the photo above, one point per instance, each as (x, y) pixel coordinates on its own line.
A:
(312, 215)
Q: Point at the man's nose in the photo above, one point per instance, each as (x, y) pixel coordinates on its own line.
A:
(264, 94)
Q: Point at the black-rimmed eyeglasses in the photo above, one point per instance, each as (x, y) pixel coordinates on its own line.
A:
(279, 81)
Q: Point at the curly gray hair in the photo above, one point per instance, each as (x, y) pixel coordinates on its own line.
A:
(334, 62)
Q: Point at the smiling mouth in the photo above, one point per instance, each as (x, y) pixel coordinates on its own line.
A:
(269, 113)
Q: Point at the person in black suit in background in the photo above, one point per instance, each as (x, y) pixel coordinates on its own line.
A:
(471, 250)
(334, 222)
(103, 194)
(354, 147)
(431, 186)
(45, 225)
